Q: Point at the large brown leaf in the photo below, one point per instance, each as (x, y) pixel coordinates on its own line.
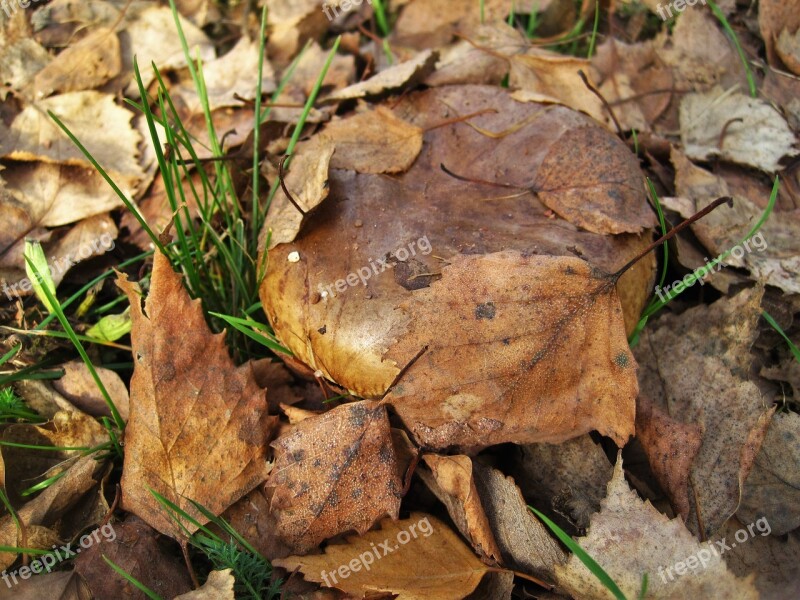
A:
(362, 339)
(198, 426)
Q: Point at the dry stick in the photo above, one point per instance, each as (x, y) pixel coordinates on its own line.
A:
(671, 233)
(460, 119)
(606, 105)
(281, 173)
(724, 131)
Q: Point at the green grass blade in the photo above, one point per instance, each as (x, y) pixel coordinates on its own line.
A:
(794, 350)
(593, 39)
(751, 81)
(245, 326)
(133, 581)
(582, 555)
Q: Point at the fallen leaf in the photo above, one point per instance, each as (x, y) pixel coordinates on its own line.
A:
(325, 484)
(735, 127)
(451, 480)
(423, 24)
(772, 561)
(218, 586)
(432, 564)
(47, 509)
(775, 16)
(138, 550)
(570, 478)
(79, 387)
(709, 346)
(198, 426)
(307, 181)
(317, 304)
(526, 545)
(788, 48)
(629, 538)
(406, 74)
(572, 374)
(94, 118)
(19, 62)
(84, 65)
(772, 490)
(64, 585)
(375, 141)
(772, 255)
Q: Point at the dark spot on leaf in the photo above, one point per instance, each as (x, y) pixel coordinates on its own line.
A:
(622, 360)
(356, 493)
(485, 310)
(323, 329)
(358, 413)
(298, 455)
(386, 454)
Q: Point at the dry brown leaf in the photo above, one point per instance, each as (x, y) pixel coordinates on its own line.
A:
(788, 48)
(451, 480)
(774, 562)
(64, 585)
(489, 383)
(709, 346)
(19, 62)
(198, 427)
(25, 467)
(136, 548)
(569, 478)
(218, 586)
(548, 77)
(735, 127)
(526, 545)
(79, 387)
(83, 65)
(94, 118)
(671, 446)
(406, 74)
(772, 255)
(375, 141)
(291, 23)
(53, 195)
(252, 518)
(431, 23)
(629, 538)
(775, 16)
(432, 564)
(480, 60)
(230, 79)
(335, 305)
(307, 181)
(329, 484)
(47, 509)
(772, 490)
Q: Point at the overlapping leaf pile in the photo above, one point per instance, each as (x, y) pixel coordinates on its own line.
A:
(442, 260)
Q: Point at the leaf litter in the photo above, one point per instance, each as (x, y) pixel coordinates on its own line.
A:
(448, 255)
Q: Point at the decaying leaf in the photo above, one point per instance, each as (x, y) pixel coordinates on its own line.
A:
(405, 74)
(736, 127)
(307, 181)
(137, 549)
(450, 478)
(79, 387)
(375, 141)
(219, 586)
(48, 509)
(198, 427)
(772, 490)
(94, 118)
(570, 478)
(85, 65)
(329, 484)
(525, 544)
(418, 558)
(337, 307)
(772, 255)
(710, 347)
(629, 538)
(64, 585)
(571, 374)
